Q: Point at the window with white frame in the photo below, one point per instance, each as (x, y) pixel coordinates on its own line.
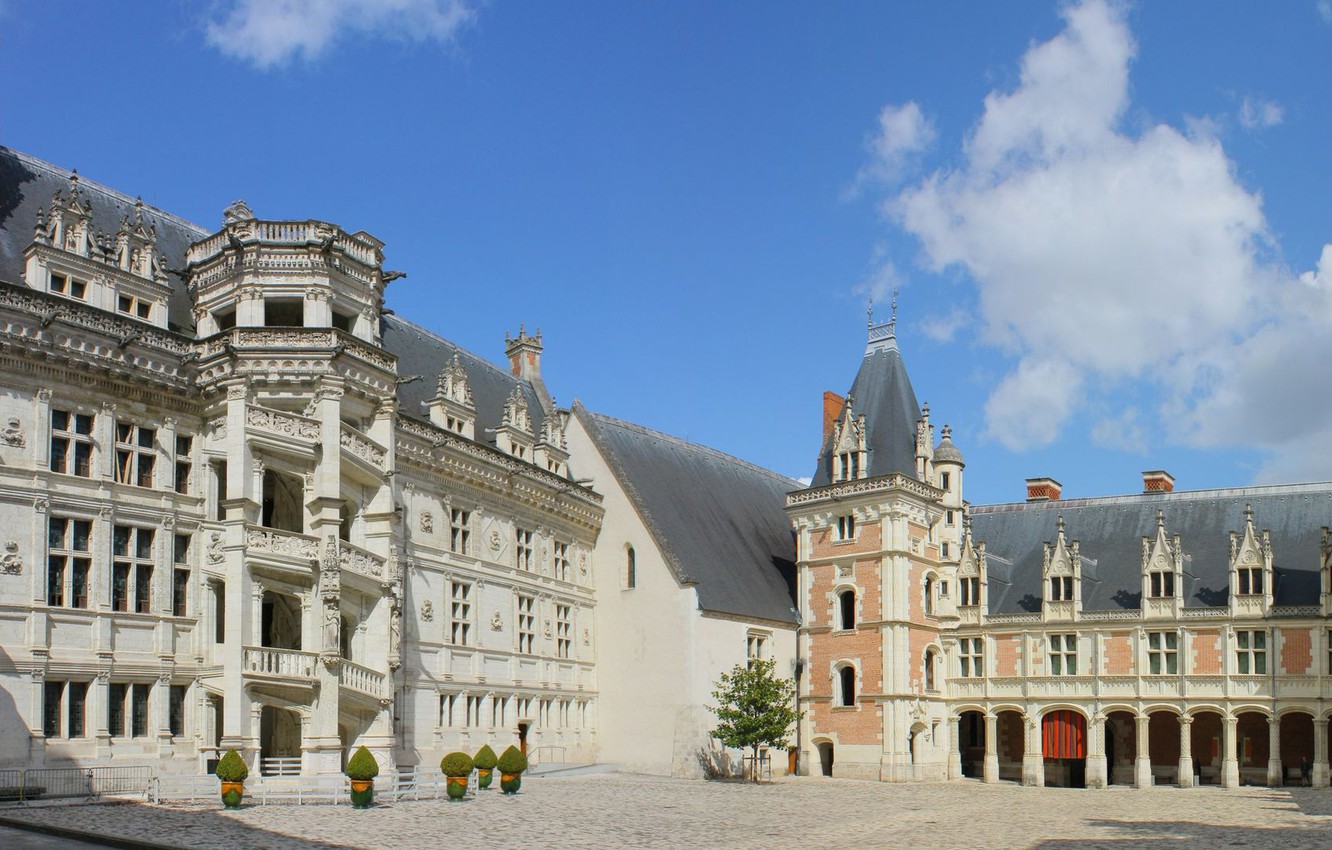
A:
(460, 613)
(498, 704)
(1161, 584)
(128, 701)
(69, 562)
(848, 466)
(176, 710)
(132, 569)
(63, 284)
(473, 711)
(563, 631)
(459, 530)
(180, 575)
(447, 705)
(133, 306)
(846, 527)
(846, 609)
(184, 463)
(135, 456)
(1163, 653)
(630, 568)
(846, 686)
(756, 647)
(1251, 652)
(1250, 581)
(71, 443)
(526, 623)
(1061, 588)
(969, 590)
(1063, 655)
(971, 657)
(522, 550)
(561, 560)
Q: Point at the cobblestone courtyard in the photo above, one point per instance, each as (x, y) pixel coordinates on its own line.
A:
(617, 811)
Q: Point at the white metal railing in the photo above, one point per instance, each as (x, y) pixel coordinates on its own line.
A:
(358, 677)
(280, 766)
(286, 663)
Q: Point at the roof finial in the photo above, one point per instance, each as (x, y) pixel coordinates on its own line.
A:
(869, 311)
(894, 319)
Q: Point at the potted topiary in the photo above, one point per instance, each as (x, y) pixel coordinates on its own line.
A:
(485, 763)
(511, 763)
(362, 770)
(457, 767)
(231, 772)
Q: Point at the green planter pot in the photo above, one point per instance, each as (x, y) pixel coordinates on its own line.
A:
(232, 793)
(362, 793)
(511, 782)
(457, 786)
(483, 777)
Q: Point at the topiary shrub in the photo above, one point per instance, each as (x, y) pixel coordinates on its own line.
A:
(362, 765)
(485, 758)
(232, 767)
(512, 761)
(456, 764)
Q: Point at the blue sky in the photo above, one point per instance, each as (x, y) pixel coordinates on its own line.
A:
(1105, 221)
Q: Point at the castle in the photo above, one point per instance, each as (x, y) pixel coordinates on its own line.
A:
(245, 507)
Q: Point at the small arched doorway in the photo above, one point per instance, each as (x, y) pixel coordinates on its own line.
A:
(825, 757)
(1064, 748)
(971, 743)
(279, 742)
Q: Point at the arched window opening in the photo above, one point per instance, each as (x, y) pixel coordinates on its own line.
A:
(929, 596)
(847, 605)
(630, 568)
(929, 670)
(847, 682)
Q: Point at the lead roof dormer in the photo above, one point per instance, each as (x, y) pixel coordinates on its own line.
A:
(1162, 568)
(135, 247)
(515, 432)
(885, 399)
(973, 562)
(1251, 554)
(452, 407)
(1062, 573)
(849, 454)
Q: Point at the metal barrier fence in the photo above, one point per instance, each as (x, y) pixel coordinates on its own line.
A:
(46, 783)
(550, 754)
(405, 783)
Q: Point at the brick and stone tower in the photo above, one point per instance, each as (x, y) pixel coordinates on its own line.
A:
(876, 562)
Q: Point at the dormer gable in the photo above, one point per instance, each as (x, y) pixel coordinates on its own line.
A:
(1061, 572)
(514, 436)
(924, 445)
(135, 247)
(552, 452)
(972, 576)
(1250, 568)
(452, 407)
(1162, 572)
(68, 225)
(1325, 569)
(849, 459)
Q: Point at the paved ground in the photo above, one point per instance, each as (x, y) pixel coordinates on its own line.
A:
(12, 839)
(623, 811)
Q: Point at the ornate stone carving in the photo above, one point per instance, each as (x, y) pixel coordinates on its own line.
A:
(547, 630)
(41, 505)
(279, 422)
(362, 447)
(44, 395)
(12, 433)
(215, 553)
(11, 562)
(494, 539)
(281, 543)
(237, 211)
(427, 611)
(427, 522)
(496, 623)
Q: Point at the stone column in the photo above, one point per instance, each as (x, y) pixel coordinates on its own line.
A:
(1142, 766)
(1033, 765)
(991, 770)
(1274, 776)
(1185, 778)
(1097, 771)
(1319, 778)
(955, 752)
(1229, 749)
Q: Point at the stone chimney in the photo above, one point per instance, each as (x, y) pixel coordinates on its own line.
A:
(524, 353)
(1157, 481)
(832, 408)
(1043, 490)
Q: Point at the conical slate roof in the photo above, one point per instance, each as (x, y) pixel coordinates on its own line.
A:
(882, 393)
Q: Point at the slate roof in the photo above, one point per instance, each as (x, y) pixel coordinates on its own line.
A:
(27, 185)
(1110, 530)
(882, 392)
(718, 520)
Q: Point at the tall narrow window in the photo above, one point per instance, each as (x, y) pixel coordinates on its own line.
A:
(522, 551)
(1162, 653)
(630, 568)
(1061, 588)
(69, 563)
(459, 531)
(1063, 655)
(184, 463)
(219, 612)
(1161, 584)
(929, 670)
(846, 678)
(71, 443)
(176, 717)
(1251, 652)
(929, 596)
(180, 576)
(526, 623)
(756, 648)
(846, 527)
(139, 709)
(78, 701)
(971, 658)
(944, 481)
(116, 694)
(135, 456)
(53, 699)
(969, 589)
(460, 613)
(132, 569)
(846, 605)
(561, 561)
(1250, 581)
(563, 632)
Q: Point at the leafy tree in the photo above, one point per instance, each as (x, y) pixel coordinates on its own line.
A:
(755, 708)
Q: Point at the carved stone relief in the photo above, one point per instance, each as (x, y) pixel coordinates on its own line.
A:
(11, 562)
(12, 433)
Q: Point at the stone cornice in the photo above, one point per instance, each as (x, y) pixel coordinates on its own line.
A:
(862, 487)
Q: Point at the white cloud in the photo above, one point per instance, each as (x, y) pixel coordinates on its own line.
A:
(1259, 114)
(881, 284)
(269, 33)
(903, 132)
(944, 328)
(1324, 8)
(1124, 432)
(1100, 254)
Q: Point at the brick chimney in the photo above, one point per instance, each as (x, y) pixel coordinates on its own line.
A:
(1157, 481)
(524, 353)
(1043, 490)
(832, 408)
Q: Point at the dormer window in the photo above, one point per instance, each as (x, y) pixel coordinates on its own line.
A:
(131, 306)
(969, 590)
(1162, 584)
(848, 466)
(1061, 588)
(1250, 581)
(62, 284)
